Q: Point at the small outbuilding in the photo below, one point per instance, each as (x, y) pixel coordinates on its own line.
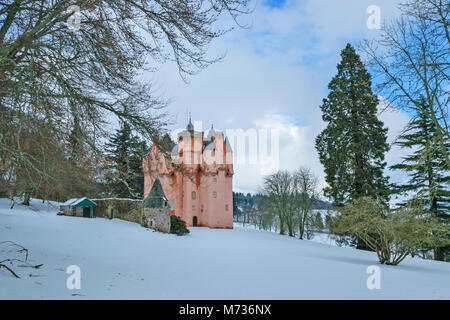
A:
(79, 207)
(156, 210)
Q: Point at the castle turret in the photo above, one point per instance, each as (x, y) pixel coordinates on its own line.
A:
(190, 126)
(197, 178)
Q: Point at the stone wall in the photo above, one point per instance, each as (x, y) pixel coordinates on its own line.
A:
(67, 210)
(131, 210)
(124, 209)
(156, 218)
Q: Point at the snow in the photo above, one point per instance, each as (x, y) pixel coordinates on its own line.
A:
(319, 237)
(69, 202)
(121, 199)
(74, 201)
(122, 260)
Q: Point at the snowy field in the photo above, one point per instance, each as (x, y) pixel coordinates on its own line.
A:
(319, 237)
(122, 260)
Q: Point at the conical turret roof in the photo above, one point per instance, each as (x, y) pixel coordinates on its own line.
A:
(190, 126)
(156, 196)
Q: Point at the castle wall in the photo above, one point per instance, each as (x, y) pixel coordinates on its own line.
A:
(195, 172)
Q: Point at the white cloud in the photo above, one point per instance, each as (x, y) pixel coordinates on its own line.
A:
(296, 148)
(395, 120)
(275, 75)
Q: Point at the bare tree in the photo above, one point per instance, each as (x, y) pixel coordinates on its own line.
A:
(88, 74)
(411, 60)
(306, 193)
(290, 196)
(278, 198)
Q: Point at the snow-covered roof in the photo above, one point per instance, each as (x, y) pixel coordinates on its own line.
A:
(69, 202)
(121, 199)
(75, 201)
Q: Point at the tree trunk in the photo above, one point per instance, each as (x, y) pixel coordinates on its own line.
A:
(26, 199)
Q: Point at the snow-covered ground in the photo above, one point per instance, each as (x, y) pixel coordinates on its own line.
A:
(122, 260)
(319, 237)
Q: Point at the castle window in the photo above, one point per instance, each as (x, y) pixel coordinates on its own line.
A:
(194, 195)
(201, 207)
(215, 180)
(226, 207)
(170, 181)
(214, 194)
(215, 164)
(193, 207)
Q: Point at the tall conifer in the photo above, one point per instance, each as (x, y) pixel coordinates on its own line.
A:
(125, 177)
(353, 145)
(428, 172)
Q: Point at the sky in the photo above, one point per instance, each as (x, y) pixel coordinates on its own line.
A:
(274, 76)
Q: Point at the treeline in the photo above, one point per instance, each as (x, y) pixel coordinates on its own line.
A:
(250, 210)
(247, 201)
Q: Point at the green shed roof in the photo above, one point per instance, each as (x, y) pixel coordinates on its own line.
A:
(80, 202)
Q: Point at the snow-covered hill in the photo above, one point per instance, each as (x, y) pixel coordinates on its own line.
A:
(122, 260)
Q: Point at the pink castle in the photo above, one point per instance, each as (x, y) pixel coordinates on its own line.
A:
(196, 177)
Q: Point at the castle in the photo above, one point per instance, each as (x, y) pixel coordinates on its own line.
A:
(196, 176)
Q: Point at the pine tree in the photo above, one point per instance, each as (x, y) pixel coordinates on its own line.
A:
(235, 204)
(138, 149)
(318, 222)
(428, 172)
(352, 146)
(125, 177)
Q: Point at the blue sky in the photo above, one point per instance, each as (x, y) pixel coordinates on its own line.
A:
(274, 3)
(274, 75)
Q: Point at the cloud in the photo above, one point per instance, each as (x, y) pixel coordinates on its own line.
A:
(297, 147)
(395, 120)
(275, 75)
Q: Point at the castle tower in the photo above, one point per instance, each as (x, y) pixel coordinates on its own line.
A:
(196, 175)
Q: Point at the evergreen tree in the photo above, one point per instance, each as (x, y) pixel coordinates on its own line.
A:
(428, 171)
(318, 222)
(125, 177)
(352, 146)
(235, 204)
(178, 226)
(138, 149)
